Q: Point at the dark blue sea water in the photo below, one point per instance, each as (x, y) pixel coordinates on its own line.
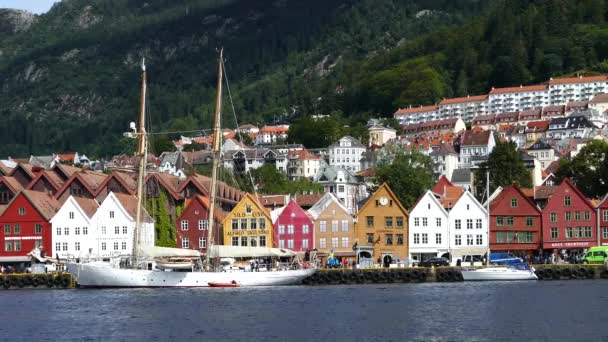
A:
(498, 311)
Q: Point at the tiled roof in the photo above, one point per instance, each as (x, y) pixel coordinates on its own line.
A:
(599, 98)
(519, 89)
(46, 205)
(551, 109)
(507, 116)
(539, 145)
(65, 170)
(302, 154)
(484, 119)
(307, 200)
(168, 182)
(580, 79)
(219, 214)
(129, 202)
(537, 126)
(274, 129)
(476, 98)
(4, 168)
(577, 105)
(407, 111)
(442, 182)
(552, 168)
(529, 114)
(544, 191)
(273, 200)
(353, 142)
(461, 176)
(88, 205)
(444, 150)
(475, 138)
(11, 183)
(370, 172)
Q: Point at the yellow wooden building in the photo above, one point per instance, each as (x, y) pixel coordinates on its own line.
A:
(382, 228)
(248, 224)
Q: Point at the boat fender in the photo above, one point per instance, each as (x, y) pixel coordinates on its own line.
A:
(604, 274)
(557, 274)
(28, 280)
(65, 281)
(389, 276)
(574, 273)
(20, 282)
(441, 277)
(422, 277)
(406, 277)
(566, 272)
(50, 282)
(6, 283)
(548, 274)
(415, 274)
(590, 273)
(540, 273)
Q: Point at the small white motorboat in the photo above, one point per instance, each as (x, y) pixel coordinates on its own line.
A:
(498, 273)
(175, 264)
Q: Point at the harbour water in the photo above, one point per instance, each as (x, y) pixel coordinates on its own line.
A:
(496, 311)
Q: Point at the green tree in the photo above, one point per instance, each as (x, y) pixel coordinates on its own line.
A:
(161, 143)
(409, 175)
(588, 169)
(269, 180)
(163, 223)
(506, 166)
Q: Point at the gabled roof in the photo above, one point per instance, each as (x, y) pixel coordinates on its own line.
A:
(461, 176)
(89, 179)
(444, 150)
(302, 154)
(353, 141)
(169, 182)
(544, 192)
(507, 116)
(442, 182)
(572, 122)
(475, 138)
(51, 177)
(421, 109)
(204, 201)
(503, 196)
(323, 203)
(292, 205)
(434, 199)
(484, 119)
(129, 203)
(46, 205)
(390, 192)
(329, 173)
(203, 183)
(539, 145)
(537, 126)
(476, 98)
(530, 114)
(467, 194)
(64, 171)
(599, 98)
(307, 200)
(11, 183)
(123, 179)
(88, 205)
(5, 168)
(27, 168)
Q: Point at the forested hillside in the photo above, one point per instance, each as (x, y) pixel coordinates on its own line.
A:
(69, 78)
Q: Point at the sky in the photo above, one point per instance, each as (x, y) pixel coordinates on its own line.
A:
(34, 6)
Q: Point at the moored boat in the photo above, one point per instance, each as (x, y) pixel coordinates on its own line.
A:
(498, 273)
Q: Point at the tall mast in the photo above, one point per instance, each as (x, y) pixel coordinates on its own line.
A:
(217, 138)
(142, 154)
(488, 214)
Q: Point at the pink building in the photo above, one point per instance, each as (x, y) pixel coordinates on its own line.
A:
(293, 228)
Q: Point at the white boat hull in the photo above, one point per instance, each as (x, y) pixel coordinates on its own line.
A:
(497, 274)
(96, 275)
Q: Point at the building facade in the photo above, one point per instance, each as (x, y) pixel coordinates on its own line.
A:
(346, 153)
(73, 232)
(468, 228)
(428, 229)
(192, 226)
(248, 224)
(293, 229)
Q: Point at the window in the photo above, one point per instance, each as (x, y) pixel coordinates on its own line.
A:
(587, 232)
(235, 240)
(290, 243)
(248, 208)
(66, 231)
(111, 214)
(123, 245)
(554, 233)
(509, 220)
(244, 224)
(322, 243)
(8, 246)
(478, 239)
(438, 238)
(553, 217)
(513, 202)
(38, 228)
(306, 228)
(567, 201)
(416, 222)
(103, 246)
(185, 242)
(253, 224)
(103, 230)
(345, 242)
(281, 229)
(77, 246)
(568, 232)
(416, 238)
(244, 241)
(344, 226)
(469, 239)
(577, 216)
(605, 214)
(525, 237)
(116, 230)
(457, 240)
(334, 226)
(529, 221)
(7, 230)
(458, 225)
(17, 229)
(500, 237)
(478, 224)
(587, 216)
(21, 211)
(425, 238)
(65, 246)
(322, 226)
(290, 229)
(469, 223)
(71, 215)
(388, 221)
(425, 222)
(77, 231)
(370, 238)
(438, 221)
(305, 244)
(235, 225)
(202, 224)
(340, 188)
(262, 227)
(17, 245)
(116, 245)
(334, 242)
(57, 246)
(604, 232)
(389, 239)
(370, 221)
(202, 242)
(567, 216)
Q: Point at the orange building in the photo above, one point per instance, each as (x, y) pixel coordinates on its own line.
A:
(248, 224)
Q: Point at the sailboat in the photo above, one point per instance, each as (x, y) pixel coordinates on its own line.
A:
(151, 266)
(496, 273)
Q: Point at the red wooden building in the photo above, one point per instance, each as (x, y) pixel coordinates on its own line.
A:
(193, 224)
(603, 220)
(569, 220)
(25, 225)
(515, 223)
(293, 229)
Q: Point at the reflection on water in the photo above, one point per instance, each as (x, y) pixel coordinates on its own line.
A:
(511, 311)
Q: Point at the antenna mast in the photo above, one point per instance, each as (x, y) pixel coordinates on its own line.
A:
(142, 154)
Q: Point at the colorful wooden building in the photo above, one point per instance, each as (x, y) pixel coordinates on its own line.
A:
(569, 220)
(293, 229)
(248, 224)
(25, 225)
(192, 226)
(382, 228)
(602, 211)
(515, 222)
